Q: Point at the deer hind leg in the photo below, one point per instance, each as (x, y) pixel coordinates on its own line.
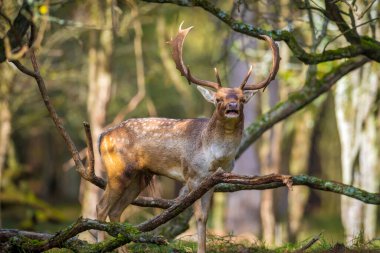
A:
(111, 195)
(114, 191)
(138, 184)
(120, 171)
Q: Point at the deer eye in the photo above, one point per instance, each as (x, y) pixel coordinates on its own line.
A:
(218, 100)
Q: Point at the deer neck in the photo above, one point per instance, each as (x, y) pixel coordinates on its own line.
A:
(222, 128)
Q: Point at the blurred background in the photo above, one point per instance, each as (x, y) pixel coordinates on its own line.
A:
(107, 61)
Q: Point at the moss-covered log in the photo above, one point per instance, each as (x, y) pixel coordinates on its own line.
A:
(23, 241)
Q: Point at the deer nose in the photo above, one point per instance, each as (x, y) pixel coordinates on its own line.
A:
(233, 106)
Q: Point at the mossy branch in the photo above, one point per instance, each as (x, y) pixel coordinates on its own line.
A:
(15, 240)
(311, 182)
(353, 50)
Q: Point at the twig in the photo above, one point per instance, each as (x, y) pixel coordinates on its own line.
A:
(90, 151)
(141, 91)
(309, 243)
(343, 33)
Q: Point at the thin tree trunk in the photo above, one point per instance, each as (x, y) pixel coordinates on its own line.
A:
(243, 208)
(270, 150)
(5, 117)
(271, 163)
(99, 81)
(298, 165)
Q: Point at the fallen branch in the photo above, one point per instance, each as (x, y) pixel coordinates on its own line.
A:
(123, 233)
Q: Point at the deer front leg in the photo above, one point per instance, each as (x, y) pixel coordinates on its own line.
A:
(201, 208)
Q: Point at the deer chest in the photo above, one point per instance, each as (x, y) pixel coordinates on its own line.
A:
(223, 151)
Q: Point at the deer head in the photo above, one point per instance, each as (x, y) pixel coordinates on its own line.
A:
(228, 101)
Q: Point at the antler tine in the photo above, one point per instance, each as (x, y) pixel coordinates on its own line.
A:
(246, 78)
(217, 77)
(275, 65)
(177, 45)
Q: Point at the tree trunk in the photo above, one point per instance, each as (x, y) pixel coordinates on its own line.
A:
(5, 117)
(271, 163)
(99, 81)
(243, 208)
(357, 109)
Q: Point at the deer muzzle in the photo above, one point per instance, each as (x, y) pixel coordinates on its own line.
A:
(232, 110)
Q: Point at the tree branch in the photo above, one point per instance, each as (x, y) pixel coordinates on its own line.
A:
(299, 180)
(333, 13)
(57, 121)
(123, 233)
(311, 182)
(278, 35)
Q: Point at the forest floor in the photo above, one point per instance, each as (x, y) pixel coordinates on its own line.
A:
(229, 245)
(330, 241)
(226, 245)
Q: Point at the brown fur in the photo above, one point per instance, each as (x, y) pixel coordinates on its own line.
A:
(186, 150)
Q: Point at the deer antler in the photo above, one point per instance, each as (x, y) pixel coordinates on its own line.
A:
(177, 45)
(273, 71)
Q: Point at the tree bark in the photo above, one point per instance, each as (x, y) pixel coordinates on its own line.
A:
(243, 208)
(5, 117)
(356, 107)
(270, 146)
(99, 81)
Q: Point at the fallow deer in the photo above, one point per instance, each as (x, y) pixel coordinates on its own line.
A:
(186, 150)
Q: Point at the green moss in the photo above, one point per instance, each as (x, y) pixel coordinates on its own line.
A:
(128, 228)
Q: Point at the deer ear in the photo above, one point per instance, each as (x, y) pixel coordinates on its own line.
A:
(209, 95)
(248, 94)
